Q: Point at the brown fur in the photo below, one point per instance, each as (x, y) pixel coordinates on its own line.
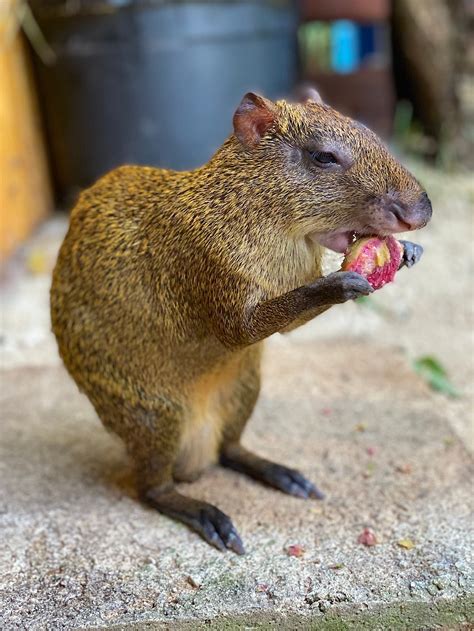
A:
(156, 288)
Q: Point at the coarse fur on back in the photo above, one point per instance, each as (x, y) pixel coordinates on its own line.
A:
(156, 288)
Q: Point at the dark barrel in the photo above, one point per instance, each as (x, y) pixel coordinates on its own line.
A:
(150, 82)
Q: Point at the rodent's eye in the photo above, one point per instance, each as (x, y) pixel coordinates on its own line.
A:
(323, 158)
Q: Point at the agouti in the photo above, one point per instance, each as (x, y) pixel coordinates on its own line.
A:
(168, 282)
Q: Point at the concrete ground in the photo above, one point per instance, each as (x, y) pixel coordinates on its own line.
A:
(340, 401)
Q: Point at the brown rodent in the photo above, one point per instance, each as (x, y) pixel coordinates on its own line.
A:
(167, 284)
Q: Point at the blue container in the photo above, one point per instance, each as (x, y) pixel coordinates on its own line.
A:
(344, 46)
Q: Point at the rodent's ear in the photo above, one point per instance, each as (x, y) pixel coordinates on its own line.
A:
(253, 118)
(308, 93)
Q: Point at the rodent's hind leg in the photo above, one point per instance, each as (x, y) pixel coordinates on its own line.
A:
(278, 476)
(241, 399)
(153, 439)
(213, 525)
(151, 435)
(238, 410)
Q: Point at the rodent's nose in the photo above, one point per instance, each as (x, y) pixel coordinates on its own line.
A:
(416, 215)
(423, 208)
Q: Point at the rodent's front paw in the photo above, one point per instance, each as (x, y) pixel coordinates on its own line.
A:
(412, 253)
(343, 286)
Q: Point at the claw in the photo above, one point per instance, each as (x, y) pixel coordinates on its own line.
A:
(412, 253)
(234, 543)
(297, 490)
(214, 540)
(316, 493)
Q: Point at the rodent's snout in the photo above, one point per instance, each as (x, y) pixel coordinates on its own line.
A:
(414, 216)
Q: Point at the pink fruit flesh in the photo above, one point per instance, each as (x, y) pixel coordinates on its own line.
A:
(374, 258)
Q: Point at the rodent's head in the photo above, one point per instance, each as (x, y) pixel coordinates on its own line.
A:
(330, 178)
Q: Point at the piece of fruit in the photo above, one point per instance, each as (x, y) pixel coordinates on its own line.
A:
(376, 259)
(367, 537)
(295, 550)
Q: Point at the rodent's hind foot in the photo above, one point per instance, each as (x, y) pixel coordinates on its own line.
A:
(213, 525)
(292, 482)
(412, 253)
(276, 475)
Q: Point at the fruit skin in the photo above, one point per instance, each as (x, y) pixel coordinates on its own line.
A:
(376, 259)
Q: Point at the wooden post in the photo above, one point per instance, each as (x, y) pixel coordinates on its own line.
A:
(25, 192)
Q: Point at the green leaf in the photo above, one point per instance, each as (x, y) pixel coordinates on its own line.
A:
(435, 375)
(369, 303)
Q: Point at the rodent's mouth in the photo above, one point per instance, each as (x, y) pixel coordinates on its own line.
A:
(336, 241)
(388, 221)
(341, 241)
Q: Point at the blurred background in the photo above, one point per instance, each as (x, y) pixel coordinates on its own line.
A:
(87, 85)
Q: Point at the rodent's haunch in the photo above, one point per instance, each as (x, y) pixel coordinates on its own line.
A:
(167, 284)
